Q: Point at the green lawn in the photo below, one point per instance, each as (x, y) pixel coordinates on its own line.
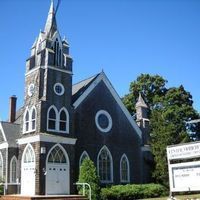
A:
(180, 197)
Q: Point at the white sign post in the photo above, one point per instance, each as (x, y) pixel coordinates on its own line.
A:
(184, 176)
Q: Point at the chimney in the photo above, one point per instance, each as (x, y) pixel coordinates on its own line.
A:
(12, 108)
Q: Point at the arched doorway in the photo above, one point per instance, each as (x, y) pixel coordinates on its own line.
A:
(57, 168)
(28, 171)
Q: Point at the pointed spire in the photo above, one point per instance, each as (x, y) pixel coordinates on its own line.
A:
(51, 25)
(141, 102)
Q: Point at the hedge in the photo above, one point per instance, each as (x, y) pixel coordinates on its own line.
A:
(130, 192)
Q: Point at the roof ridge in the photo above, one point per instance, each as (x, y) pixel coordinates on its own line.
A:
(94, 76)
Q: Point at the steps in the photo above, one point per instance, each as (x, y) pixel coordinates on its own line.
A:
(43, 197)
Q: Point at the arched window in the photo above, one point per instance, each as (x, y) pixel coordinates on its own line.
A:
(124, 169)
(57, 156)
(84, 155)
(29, 155)
(33, 119)
(63, 120)
(58, 122)
(13, 170)
(52, 118)
(105, 165)
(26, 121)
(1, 167)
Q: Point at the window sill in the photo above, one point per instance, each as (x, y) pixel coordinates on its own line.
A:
(57, 131)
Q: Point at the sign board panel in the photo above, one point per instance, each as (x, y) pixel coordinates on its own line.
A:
(185, 151)
(184, 176)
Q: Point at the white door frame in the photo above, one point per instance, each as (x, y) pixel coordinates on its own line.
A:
(68, 164)
(22, 169)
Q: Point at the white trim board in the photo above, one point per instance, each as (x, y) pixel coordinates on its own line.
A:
(46, 138)
(102, 77)
(48, 67)
(4, 145)
(3, 133)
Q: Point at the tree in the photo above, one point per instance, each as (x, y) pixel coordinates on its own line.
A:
(170, 109)
(150, 86)
(88, 174)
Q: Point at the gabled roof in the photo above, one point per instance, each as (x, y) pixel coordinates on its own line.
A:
(87, 86)
(79, 88)
(10, 132)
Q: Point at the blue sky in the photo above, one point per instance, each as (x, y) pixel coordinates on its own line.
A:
(124, 38)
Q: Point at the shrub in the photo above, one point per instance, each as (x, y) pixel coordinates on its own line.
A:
(88, 174)
(1, 190)
(130, 192)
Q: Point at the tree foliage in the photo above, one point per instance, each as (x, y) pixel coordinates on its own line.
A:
(88, 174)
(170, 109)
(150, 86)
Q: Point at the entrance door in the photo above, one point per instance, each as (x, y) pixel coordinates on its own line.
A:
(28, 172)
(57, 176)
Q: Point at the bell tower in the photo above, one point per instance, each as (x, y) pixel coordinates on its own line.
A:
(48, 83)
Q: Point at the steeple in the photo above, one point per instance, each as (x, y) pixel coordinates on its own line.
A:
(141, 102)
(142, 118)
(51, 25)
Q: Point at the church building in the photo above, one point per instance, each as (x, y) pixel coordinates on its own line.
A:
(43, 143)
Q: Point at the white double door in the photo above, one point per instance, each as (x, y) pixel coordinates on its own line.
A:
(28, 179)
(57, 178)
(28, 172)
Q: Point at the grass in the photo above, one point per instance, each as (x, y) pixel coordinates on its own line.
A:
(179, 197)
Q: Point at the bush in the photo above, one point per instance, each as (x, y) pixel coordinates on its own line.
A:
(88, 174)
(130, 192)
(1, 190)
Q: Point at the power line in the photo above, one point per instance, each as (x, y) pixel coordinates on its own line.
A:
(57, 6)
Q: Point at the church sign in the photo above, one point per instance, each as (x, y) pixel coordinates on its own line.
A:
(183, 151)
(184, 176)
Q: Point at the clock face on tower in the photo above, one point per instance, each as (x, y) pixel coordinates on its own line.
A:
(31, 89)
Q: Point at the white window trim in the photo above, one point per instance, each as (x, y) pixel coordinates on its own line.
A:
(1, 158)
(84, 153)
(30, 120)
(58, 120)
(63, 89)
(67, 120)
(104, 112)
(64, 151)
(24, 120)
(13, 159)
(111, 160)
(31, 124)
(128, 175)
(31, 89)
(24, 152)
